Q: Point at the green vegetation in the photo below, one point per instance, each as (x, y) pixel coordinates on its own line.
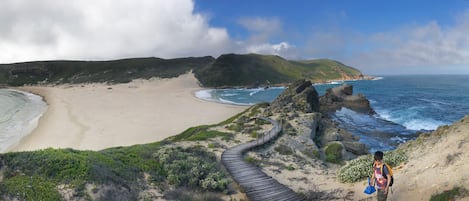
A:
(334, 153)
(251, 160)
(226, 71)
(194, 168)
(199, 133)
(252, 70)
(117, 71)
(449, 194)
(36, 175)
(361, 167)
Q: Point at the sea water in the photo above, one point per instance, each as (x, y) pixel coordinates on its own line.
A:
(405, 105)
(19, 115)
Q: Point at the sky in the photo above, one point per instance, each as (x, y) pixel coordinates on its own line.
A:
(377, 37)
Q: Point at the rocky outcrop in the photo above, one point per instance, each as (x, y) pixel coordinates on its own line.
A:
(298, 97)
(329, 132)
(336, 98)
(307, 127)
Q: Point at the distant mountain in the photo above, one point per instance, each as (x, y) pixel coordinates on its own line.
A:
(254, 69)
(116, 71)
(230, 70)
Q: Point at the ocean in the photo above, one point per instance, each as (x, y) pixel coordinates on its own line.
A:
(20, 113)
(405, 105)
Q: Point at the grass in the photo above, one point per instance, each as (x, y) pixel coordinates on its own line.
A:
(334, 153)
(449, 194)
(199, 133)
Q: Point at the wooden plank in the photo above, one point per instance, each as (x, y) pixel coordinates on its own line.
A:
(257, 185)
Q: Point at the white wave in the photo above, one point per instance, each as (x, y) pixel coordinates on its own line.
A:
(205, 94)
(229, 94)
(23, 121)
(433, 101)
(377, 78)
(234, 103)
(423, 124)
(255, 91)
(384, 114)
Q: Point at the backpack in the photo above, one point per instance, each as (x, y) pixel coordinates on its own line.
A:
(390, 173)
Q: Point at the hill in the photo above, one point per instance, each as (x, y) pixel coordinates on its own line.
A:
(253, 69)
(228, 70)
(116, 71)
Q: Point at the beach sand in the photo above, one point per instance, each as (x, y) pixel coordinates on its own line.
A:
(99, 116)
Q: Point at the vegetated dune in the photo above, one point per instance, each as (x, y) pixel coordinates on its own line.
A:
(437, 162)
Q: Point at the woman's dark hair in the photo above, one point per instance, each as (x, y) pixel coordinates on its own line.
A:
(379, 155)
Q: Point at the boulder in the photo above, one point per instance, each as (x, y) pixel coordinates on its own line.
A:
(342, 96)
(356, 148)
(300, 96)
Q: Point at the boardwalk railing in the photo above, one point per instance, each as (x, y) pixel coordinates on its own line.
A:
(257, 185)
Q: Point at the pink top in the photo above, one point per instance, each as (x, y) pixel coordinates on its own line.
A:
(381, 181)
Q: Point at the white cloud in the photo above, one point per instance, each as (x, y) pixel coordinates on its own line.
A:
(282, 48)
(262, 31)
(105, 29)
(424, 48)
(261, 24)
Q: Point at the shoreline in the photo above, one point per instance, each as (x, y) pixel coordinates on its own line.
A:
(99, 116)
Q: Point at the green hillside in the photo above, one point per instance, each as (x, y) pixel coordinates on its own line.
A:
(116, 71)
(230, 70)
(251, 70)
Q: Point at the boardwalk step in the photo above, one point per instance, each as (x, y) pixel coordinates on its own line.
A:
(257, 185)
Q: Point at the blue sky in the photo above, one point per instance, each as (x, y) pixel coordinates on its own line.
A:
(344, 29)
(377, 37)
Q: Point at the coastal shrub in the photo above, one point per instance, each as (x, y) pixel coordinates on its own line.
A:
(449, 194)
(251, 160)
(192, 167)
(190, 195)
(254, 134)
(199, 133)
(361, 167)
(30, 188)
(65, 165)
(334, 153)
(231, 119)
(261, 122)
(235, 127)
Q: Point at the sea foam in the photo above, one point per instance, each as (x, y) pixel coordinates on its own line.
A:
(20, 116)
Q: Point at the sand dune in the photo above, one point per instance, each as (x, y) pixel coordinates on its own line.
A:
(98, 116)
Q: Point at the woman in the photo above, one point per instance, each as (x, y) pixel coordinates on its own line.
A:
(381, 176)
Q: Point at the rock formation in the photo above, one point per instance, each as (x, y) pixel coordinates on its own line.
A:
(307, 128)
(336, 98)
(298, 97)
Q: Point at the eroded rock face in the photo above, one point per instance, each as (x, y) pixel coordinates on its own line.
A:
(342, 96)
(298, 97)
(307, 126)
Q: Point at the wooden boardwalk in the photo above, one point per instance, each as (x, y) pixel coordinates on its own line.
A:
(257, 185)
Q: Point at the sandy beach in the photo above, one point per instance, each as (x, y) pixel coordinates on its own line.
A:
(98, 116)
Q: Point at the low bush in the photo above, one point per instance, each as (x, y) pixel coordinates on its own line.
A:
(334, 153)
(192, 167)
(361, 167)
